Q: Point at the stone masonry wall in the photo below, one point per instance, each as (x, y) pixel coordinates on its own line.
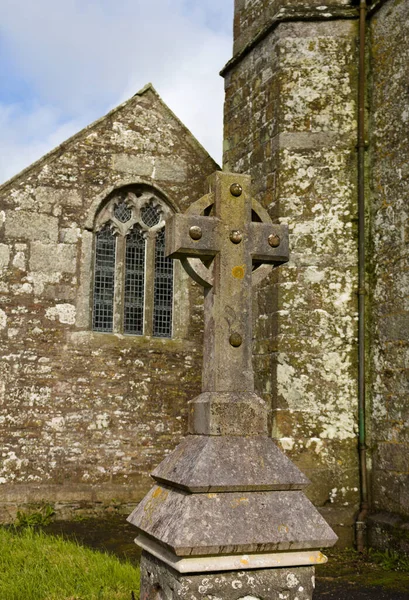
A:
(84, 416)
(389, 154)
(290, 121)
(251, 17)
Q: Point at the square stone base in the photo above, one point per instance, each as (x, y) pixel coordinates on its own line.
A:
(161, 582)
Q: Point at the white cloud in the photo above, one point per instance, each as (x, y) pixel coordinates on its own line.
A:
(26, 136)
(83, 57)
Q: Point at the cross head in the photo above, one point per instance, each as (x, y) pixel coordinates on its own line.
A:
(227, 243)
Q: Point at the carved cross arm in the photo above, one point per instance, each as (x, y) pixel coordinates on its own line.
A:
(192, 236)
(268, 243)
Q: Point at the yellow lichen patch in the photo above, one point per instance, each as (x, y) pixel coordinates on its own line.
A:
(238, 272)
(159, 496)
(283, 529)
(320, 559)
(238, 501)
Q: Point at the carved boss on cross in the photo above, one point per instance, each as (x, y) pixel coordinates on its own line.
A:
(227, 243)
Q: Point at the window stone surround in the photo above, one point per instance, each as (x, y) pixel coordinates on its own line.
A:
(136, 199)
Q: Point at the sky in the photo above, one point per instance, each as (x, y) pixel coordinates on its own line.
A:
(66, 63)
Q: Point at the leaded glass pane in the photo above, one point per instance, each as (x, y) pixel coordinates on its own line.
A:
(163, 290)
(134, 282)
(150, 215)
(104, 282)
(122, 212)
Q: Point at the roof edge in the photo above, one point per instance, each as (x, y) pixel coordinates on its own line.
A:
(286, 15)
(200, 146)
(55, 152)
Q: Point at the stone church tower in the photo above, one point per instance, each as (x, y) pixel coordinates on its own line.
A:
(291, 110)
(101, 339)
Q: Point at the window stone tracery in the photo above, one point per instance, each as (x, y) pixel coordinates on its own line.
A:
(133, 280)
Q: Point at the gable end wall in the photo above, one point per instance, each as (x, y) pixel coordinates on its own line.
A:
(84, 417)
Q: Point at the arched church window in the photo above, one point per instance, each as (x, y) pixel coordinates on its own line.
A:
(133, 280)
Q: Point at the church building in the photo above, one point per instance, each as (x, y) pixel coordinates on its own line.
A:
(101, 334)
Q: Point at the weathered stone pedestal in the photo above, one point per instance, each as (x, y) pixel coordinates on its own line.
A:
(158, 582)
(228, 518)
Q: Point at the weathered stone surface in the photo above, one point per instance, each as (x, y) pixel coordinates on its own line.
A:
(228, 413)
(69, 235)
(242, 511)
(4, 256)
(25, 225)
(255, 17)
(227, 523)
(157, 581)
(227, 366)
(290, 122)
(222, 463)
(230, 562)
(341, 519)
(92, 401)
(136, 165)
(64, 313)
(70, 500)
(51, 198)
(3, 320)
(53, 257)
(389, 266)
(388, 531)
(393, 457)
(86, 263)
(394, 327)
(171, 169)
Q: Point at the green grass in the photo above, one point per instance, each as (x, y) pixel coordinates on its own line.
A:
(36, 566)
(390, 560)
(43, 516)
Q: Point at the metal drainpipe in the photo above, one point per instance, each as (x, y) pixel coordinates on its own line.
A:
(361, 519)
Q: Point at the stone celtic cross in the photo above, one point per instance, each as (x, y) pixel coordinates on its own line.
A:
(237, 244)
(241, 241)
(228, 507)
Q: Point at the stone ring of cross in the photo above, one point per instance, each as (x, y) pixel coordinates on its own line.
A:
(230, 224)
